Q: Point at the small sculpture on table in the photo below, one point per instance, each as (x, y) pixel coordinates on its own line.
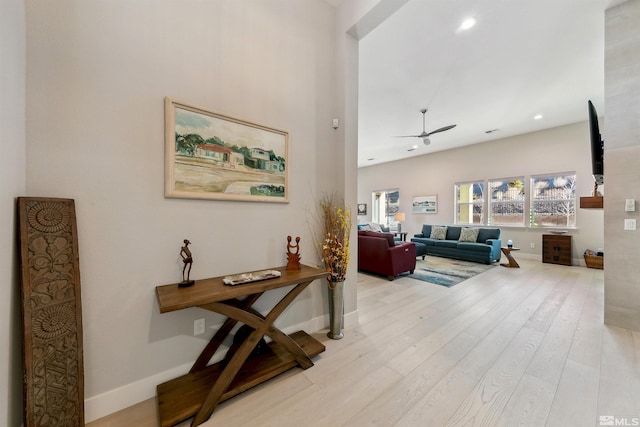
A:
(187, 259)
(293, 258)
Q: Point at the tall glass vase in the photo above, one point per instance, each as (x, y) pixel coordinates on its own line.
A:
(336, 309)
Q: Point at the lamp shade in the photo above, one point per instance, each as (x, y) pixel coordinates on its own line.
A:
(399, 217)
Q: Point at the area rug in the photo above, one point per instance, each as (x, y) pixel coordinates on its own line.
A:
(446, 271)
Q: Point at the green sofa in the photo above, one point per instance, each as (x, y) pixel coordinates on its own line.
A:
(457, 243)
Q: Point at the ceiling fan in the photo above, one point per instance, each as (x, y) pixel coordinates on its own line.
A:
(425, 135)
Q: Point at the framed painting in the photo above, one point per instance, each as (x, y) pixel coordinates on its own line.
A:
(362, 208)
(425, 204)
(213, 156)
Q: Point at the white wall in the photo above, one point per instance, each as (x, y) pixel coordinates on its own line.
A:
(621, 134)
(12, 184)
(97, 75)
(560, 149)
(355, 19)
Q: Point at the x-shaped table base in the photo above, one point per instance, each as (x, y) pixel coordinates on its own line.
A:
(199, 392)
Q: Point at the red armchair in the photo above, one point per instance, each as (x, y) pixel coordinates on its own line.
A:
(378, 253)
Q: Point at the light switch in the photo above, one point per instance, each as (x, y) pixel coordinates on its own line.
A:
(629, 205)
(629, 224)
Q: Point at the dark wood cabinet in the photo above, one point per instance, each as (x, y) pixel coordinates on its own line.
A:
(556, 249)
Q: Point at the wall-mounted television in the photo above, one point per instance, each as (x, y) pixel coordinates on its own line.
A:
(597, 146)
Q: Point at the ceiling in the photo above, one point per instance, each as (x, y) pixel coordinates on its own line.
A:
(521, 59)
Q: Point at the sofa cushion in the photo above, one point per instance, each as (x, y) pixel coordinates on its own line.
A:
(364, 227)
(438, 232)
(485, 233)
(426, 230)
(453, 232)
(477, 247)
(468, 234)
(447, 243)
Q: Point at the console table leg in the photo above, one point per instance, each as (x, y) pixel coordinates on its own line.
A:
(229, 373)
(215, 342)
(261, 326)
(284, 340)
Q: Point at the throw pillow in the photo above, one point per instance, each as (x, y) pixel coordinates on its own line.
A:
(375, 227)
(468, 234)
(365, 227)
(439, 232)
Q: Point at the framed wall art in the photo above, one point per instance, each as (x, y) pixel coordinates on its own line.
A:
(213, 156)
(425, 204)
(362, 208)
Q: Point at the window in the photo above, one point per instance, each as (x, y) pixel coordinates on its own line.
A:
(507, 198)
(470, 203)
(553, 200)
(385, 204)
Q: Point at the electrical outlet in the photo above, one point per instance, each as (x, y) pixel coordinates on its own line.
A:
(198, 327)
(533, 246)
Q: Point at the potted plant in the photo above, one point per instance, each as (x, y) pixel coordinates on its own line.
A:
(336, 230)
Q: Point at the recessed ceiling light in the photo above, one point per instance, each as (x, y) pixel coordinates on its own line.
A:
(467, 23)
(537, 117)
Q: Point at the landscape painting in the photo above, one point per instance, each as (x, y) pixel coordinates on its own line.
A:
(212, 156)
(425, 204)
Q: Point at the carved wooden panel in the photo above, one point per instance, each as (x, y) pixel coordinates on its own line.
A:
(51, 313)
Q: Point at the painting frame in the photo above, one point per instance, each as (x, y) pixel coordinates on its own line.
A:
(362, 209)
(213, 156)
(425, 204)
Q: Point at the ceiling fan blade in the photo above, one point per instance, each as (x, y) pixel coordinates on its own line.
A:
(424, 135)
(441, 129)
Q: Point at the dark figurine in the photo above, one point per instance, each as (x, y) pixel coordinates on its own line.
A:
(293, 258)
(187, 259)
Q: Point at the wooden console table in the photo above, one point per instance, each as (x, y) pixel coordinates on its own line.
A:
(199, 392)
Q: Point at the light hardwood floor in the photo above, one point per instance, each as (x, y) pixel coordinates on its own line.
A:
(509, 347)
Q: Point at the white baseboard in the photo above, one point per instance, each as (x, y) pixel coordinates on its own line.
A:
(351, 320)
(115, 400)
(128, 395)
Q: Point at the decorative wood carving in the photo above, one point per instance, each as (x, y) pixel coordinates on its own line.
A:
(293, 257)
(51, 313)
